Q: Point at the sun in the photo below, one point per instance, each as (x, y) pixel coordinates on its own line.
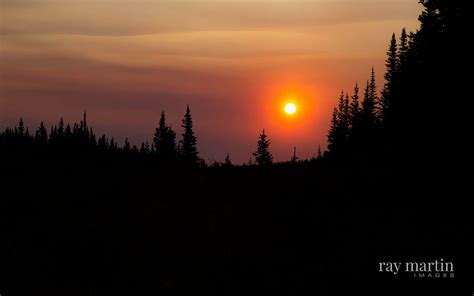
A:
(290, 108)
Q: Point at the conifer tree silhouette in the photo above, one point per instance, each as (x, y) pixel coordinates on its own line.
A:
(68, 133)
(164, 141)
(343, 117)
(60, 130)
(403, 48)
(126, 146)
(368, 116)
(347, 115)
(338, 135)
(41, 135)
(83, 124)
(64, 142)
(373, 91)
(294, 158)
(92, 139)
(188, 147)
(112, 145)
(20, 131)
(333, 132)
(355, 108)
(228, 161)
(429, 79)
(263, 157)
(103, 143)
(388, 92)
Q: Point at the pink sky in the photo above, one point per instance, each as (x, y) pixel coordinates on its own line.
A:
(234, 63)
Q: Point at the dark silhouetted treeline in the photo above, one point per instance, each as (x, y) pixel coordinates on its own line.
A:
(78, 143)
(422, 113)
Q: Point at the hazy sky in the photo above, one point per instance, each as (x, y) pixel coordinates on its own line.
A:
(234, 62)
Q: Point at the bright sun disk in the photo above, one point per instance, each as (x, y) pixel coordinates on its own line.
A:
(290, 108)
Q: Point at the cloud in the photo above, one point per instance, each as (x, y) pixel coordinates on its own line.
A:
(117, 18)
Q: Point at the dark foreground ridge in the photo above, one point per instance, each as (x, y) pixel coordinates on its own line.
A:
(92, 229)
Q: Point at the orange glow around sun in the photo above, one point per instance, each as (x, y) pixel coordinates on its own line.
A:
(290, 109)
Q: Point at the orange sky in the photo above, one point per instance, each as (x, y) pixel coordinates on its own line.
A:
(234, 62)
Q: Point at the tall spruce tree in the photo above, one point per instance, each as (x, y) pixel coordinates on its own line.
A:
(333, 138)
(339, 133)
(83, 123)
(112, 145)
(60, 131)
(164, 140)
(343, 117)
(263, 157)
(355, 108)
(403, 48)
(188, 148)
(68, 133)
(347, 114)
(373, 91)
(368, 116)
(391, 80)
(126, 145)
(20, 131)
(41, 135)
